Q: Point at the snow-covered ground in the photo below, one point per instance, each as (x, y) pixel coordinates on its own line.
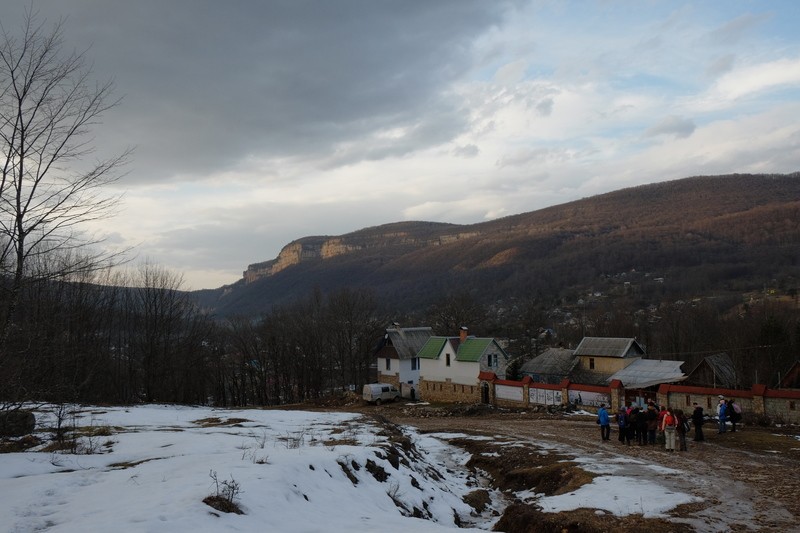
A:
(293, 471)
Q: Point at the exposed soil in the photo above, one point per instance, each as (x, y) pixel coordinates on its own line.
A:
(748, 480)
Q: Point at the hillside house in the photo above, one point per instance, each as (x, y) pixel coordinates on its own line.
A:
(396, 355)
(450, 366)
(716, 371)
(551, 366)
(791, 379)
(599, 358)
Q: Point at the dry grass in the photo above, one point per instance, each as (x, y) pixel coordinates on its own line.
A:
(19, 445)
(222, 504)
(216, 422)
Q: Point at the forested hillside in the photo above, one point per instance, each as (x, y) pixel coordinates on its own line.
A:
(701, 235)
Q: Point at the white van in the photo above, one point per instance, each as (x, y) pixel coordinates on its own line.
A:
(380, 392)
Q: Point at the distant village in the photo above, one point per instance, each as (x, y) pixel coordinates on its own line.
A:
(600, 370)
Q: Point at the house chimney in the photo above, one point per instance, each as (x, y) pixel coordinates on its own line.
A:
(463, 333)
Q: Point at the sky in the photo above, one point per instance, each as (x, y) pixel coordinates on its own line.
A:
(152, 472)
(256, 123)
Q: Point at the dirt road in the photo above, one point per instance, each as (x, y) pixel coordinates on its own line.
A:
(748, 480)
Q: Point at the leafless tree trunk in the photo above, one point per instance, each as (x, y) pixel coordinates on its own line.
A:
(48, 105)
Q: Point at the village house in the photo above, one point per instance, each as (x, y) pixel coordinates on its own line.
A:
(599, 358)
(714, 371)
(551, 366)
(450, 366)
(397, 358)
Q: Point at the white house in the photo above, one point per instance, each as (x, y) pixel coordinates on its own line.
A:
(396, 355)
(459, 360)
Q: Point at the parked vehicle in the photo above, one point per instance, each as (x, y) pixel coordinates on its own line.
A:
(378, 393)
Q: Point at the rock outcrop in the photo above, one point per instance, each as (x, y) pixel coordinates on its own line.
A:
(322, 248)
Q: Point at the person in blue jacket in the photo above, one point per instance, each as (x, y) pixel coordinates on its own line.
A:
(722, 414)
(604, 421)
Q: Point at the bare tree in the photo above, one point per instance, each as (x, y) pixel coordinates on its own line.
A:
(48, 105)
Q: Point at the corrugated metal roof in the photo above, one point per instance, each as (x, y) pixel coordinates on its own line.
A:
(432, 348)
(472, 349)
(643, 373)
(722, 365)
(553, 361)
(607, 346)
(408, 341)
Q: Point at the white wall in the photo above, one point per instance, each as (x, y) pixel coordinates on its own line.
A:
(457, 372)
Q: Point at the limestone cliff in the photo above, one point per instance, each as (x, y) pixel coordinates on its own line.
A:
(406, 235)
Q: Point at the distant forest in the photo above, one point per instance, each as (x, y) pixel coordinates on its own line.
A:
(690, 268)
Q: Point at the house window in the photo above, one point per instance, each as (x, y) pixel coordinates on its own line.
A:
(492, 360)
(447, 359)
(414, 363)
(688, 400)
(791, 406)
(591, 363)
(388, 364)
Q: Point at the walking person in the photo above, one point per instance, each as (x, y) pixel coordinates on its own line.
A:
(698, 419)
(722, 414)
(668, 423)
(605, 422)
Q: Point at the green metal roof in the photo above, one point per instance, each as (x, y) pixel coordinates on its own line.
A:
(472, 349)
(432, 348)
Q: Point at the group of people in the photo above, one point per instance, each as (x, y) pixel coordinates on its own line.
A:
(728, 411)
(640, 425)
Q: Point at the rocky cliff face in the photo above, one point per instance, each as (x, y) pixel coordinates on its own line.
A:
(322, 248)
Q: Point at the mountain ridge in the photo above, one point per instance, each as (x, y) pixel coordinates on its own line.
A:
(739, 228)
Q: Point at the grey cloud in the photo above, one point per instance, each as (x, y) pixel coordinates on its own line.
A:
(735, 30)
(545, 107)
(206, 83)
(466, 151)
(720, 65)
(678, 126)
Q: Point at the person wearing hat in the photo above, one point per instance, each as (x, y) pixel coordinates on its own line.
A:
(697, 420)
(722, 414)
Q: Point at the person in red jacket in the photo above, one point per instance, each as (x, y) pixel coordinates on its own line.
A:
(668, 425)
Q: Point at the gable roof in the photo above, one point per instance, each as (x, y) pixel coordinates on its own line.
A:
(608, 347)
(469, 351)
(791, 379)
(407, 342)
(553, 361)
(432, 348)
(643, 373)
(721, 367)
(472, 349)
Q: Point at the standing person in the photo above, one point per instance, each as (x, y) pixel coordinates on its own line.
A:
(682, 425)
(604, 421)
(642, 426)
(698, 419)
(722, 414)
(622, 425)
(733, 412)
(633, 425)
(668, 424)
(652, 423)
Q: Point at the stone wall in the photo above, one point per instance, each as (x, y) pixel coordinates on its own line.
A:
(446, 391)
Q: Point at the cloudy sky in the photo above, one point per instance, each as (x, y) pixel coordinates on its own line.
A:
(255, 123)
